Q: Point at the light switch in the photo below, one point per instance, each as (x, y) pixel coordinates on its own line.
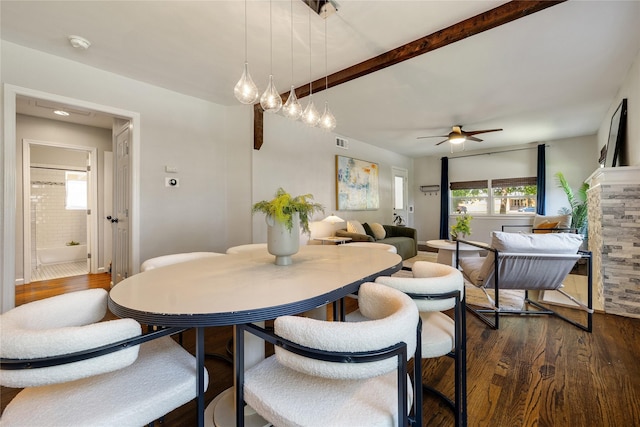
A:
(171, 169)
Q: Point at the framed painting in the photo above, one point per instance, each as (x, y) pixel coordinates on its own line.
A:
(617, 134)
(356, 184)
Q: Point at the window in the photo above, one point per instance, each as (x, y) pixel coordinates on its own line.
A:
(514, 195)
(398, 187)
(470, 197)
(76, 187)
(497, 196)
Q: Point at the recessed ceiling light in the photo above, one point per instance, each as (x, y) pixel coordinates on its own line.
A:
(61, 113)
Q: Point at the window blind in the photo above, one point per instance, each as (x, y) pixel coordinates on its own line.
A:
(514, 182)
(469, 185)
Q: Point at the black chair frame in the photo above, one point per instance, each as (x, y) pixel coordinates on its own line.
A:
(539, 308)
(544, 230)
(43, 362)
(459, 403)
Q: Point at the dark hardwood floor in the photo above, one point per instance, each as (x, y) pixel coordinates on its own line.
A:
(534, 371)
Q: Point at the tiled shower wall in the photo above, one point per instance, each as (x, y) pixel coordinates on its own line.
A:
(52, 225)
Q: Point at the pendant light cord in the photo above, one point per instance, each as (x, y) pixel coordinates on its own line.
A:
(326, 76)
(271, 38)
(291, 10)
(245, 32)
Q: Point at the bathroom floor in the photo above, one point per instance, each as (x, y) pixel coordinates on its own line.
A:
(55, 271)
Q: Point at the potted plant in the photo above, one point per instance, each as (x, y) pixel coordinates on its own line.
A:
(578, 203)
(462, 227)
(285, 215)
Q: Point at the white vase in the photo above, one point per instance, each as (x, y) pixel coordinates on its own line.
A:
(281, 242)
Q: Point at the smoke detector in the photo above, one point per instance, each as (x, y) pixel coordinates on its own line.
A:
(79, 42)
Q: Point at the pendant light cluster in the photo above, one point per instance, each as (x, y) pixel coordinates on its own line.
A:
(247, 92)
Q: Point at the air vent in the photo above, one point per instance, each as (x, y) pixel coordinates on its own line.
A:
(342, 143)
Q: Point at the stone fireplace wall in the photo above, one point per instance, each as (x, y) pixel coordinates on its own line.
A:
(614, 238)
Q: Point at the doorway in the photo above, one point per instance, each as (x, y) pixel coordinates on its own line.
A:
(8, 220)
(59, 194)
(400, 196)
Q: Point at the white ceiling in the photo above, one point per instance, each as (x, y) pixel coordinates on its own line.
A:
(547, 76)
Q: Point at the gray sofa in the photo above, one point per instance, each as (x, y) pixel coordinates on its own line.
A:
(405, 239)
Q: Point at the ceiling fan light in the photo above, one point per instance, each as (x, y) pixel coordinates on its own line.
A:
(457, 139)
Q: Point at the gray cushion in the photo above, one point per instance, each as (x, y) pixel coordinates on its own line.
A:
(471, 267)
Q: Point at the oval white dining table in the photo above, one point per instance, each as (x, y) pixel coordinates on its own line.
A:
(245, 288)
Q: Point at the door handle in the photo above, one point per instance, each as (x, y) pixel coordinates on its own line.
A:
(113, 220)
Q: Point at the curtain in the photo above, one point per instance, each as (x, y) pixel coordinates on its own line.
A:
(444, 199)
(541, 181)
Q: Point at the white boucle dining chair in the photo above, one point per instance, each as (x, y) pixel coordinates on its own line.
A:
(246, 248)
(436, 288)
(337, 373)
(372, 245)
(133, 385)
(165, 260)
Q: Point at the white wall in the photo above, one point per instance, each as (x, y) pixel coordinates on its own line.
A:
(302, 160)
(576, 158)
(631, 90)
(188, 133)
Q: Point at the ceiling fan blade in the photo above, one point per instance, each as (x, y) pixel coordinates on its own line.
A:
(433, 136)
(475, 132)
(442, 142)
(473, 138)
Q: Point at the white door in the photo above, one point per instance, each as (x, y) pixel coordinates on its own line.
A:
(107, 200)
(120, 268)
(400, 194)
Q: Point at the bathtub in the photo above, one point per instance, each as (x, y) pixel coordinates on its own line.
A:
(61, 254)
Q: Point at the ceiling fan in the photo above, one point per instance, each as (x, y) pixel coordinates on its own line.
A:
(458, 136)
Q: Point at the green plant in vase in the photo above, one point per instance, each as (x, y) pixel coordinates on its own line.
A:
(577, 201)
(283, 206)
(285, 215)
(462, 227)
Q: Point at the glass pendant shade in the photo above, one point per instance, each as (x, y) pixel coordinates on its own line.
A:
(270, 99)
(310, 116)
(292, 109)
(246, 90)
(328, 120)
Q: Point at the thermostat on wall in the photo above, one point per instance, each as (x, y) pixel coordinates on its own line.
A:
(171, 182)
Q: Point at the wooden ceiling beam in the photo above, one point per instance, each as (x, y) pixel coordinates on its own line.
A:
(493, 18)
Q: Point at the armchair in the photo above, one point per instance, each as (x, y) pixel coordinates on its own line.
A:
(529, 262)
